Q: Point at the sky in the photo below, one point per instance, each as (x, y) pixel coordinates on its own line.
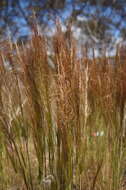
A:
(78, 33)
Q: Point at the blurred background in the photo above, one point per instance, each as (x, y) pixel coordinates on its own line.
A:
(98, 22)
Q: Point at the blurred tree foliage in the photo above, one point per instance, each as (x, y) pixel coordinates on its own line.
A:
(101, 20)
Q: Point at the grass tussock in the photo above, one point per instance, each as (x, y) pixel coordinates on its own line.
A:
(61, 127)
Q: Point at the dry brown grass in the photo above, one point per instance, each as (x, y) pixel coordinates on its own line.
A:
(48, 116)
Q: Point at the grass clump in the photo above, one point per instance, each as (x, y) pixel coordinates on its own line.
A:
(61, 127)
